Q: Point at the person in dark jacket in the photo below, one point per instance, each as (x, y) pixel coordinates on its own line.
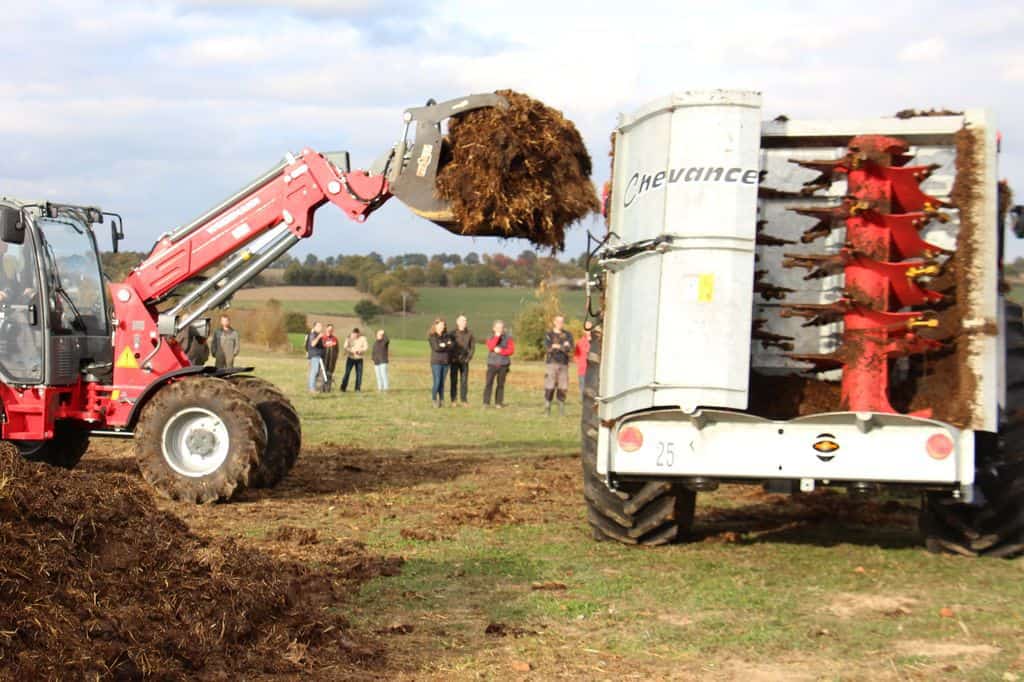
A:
(462, 353)
(226, 344)
(315, 353)
(500, 348)
(440, 357)
(558, 346)
(329, 342)
(380, 359)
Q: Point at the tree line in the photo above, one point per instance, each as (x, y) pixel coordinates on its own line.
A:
(373, 274)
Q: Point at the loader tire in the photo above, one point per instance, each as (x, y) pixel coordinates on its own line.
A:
(64, 450)
(198, 440)
(994, 524)
(651, 513)
(284, 432)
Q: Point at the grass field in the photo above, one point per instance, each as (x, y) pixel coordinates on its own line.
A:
(334, 301)
(481, 305)
(502, 580)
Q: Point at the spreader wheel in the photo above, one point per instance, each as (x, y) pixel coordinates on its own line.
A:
(199, 439)
(651, 513)
(994, 524)
(284, 432)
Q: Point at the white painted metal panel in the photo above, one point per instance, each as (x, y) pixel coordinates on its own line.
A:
(736, 446)
(677, 321)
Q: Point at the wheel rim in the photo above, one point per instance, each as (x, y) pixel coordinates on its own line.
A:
(195, 442)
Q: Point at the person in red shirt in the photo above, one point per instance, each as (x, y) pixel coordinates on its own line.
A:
(329, 342)
(580, 354)
(500, 348)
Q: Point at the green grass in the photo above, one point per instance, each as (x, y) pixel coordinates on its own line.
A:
(761, 604)
(404, 414)
(407, 348)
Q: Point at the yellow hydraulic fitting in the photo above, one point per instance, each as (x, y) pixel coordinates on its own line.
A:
(915, 272)
(858, 206)
(922, 323)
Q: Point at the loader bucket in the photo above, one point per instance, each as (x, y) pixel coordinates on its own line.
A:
(412, 172)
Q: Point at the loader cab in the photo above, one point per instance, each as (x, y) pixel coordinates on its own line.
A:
(55, 322)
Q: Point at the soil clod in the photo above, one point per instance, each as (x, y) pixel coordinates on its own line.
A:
(522, 171)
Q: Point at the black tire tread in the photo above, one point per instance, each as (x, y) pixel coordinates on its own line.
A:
(650, 513)
(246, 431)
(284, 430)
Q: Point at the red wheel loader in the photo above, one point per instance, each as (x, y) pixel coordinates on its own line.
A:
(83, 358)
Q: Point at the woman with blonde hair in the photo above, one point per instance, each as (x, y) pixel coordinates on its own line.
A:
(440, 357)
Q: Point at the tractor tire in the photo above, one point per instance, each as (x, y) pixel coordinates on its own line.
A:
(651, 513)
(994, 524)
(198, 440)
(64, 450)
(284, 432)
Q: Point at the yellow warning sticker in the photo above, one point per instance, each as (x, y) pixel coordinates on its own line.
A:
(126, 360)
(705, 288)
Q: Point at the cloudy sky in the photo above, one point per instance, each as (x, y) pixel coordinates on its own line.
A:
(159, 109)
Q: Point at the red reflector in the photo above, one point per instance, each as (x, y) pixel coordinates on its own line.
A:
(630, 439)
(939, 446)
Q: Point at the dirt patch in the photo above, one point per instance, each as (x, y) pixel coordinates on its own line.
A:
(522, 171)
(300, 536)
(95, 581)
(502, 630)
(850, 605)
(795, 670)
(933, 649)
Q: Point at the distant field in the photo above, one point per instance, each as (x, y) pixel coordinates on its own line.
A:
(289, 293)
(480, 305)
(336, 307)
(316, 301)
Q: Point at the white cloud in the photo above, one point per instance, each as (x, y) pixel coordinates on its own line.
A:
(158, 109)
(1012, 67)
(927, 50)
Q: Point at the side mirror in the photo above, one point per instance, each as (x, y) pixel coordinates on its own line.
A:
(116, 230)
(12, 227)
(1017, 220)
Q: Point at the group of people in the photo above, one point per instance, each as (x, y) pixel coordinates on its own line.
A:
(451, 353)
(323, 348)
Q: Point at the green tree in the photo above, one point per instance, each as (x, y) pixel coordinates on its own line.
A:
(485, 276)
(461, 276)
(415, 276)
(368, 311)
(436, 274)
(382, 281)
(534, 321)
(391, 299)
